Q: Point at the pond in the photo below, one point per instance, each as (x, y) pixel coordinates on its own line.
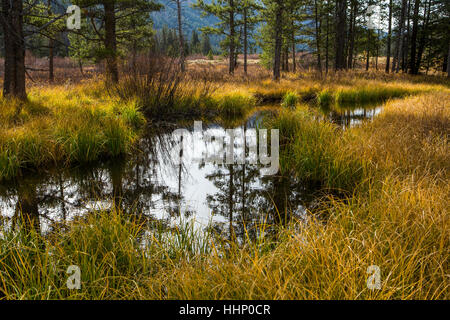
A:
(232, 199)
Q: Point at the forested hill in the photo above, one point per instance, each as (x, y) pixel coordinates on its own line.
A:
(192, 18)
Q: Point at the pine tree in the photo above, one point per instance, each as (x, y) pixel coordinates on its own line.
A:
(109, 20)
(195, 42)
(206, 44)
(226, 11)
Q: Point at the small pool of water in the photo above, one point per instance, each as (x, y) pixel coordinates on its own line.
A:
(151, 184)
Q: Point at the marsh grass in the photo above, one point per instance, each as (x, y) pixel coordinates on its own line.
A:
(58, 125)
(235, 105)
(347, 88)
(290, 100)
(163, 92)
(410, 136)
(116, 253)
(364, 95)
(393, 213)
(400, 226)
(325, 98)
(315, 151)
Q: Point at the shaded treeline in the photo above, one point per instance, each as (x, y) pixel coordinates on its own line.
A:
(408, 35)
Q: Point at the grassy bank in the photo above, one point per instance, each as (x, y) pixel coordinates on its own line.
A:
(78, 124)
(345, 88)
(395, 216)
(82, 123)
(75, 124)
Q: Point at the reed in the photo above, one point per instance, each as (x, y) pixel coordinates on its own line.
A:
(235, 105)
(60, 126)
(290, 100)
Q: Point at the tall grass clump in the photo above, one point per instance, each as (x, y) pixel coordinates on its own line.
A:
(290, 100)
(131, 114)
(9, 163)
(118, 138)
(325, 98)
(371, 94)
(60, 126)
(235, 105)
(313, 151)
(83, 145)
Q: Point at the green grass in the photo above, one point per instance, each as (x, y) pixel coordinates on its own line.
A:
(325, 98)
(290, 100)
(235, 105)
(315, 151)
(400, 227)
(360, 95)
(57, 126)
(116, 255)
(364, 95)
(394, 214)
(131, 113)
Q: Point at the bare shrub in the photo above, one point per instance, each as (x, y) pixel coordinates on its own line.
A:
(161, 88)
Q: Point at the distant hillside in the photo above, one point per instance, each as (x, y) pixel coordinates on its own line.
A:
(192, 19)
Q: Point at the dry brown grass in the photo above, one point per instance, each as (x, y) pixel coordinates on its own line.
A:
(410, 136)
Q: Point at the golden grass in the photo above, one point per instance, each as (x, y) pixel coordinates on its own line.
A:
(68, 124)
(399, 221)
(410, 136)
(395, 216)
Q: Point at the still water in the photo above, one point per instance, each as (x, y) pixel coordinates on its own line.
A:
(149, 183)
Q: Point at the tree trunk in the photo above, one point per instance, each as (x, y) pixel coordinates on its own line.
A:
(400, 38)
(355, 15)
(407, 39)
(318, 38)
(232, 35)
(389, 38)
(50, 48)
(424, 36)
(80, 65)
(327, 40)
(294, 50)
(111, 41)
(245, 41)
(14, 44)
(278, 40)
(341, 6)
(412, 58)
(236, 51)
(378, 49)
(180, 37)
(448, 62)
(369, 33)
(351, 35)
(51, 76)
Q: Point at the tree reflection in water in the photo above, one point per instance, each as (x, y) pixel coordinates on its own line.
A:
(150, 185)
